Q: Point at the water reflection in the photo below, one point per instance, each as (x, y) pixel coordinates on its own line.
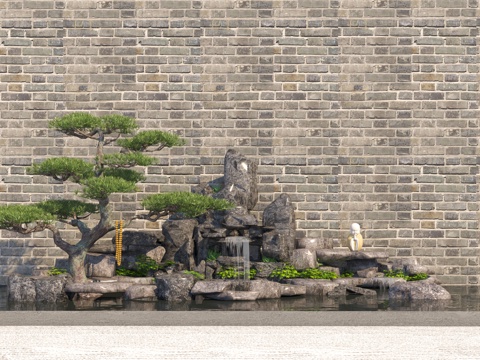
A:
(463, 299)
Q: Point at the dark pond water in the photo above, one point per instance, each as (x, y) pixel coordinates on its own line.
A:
(463, 299)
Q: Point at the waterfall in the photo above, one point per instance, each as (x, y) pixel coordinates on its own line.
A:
(240, 247)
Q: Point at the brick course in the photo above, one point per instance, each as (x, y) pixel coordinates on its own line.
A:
(362, 111)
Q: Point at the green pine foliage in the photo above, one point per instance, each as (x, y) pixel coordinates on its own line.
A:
(63, 168)
(102, 187)
(13, 216)
(189, 204)
(127, 160)
(125, 174)
(78, 123)
(145, 139)
(64, 209)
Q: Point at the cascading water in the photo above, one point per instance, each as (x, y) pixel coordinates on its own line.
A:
(239, 246)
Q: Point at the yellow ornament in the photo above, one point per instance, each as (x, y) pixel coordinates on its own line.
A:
(118, 241)
(355, 242)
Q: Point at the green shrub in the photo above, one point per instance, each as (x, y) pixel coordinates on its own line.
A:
(286, 272)
(196, 274)
(289, 272)
(401, 275)
(144, 265)
(267, 259)
(232, 273)
(56, 271)
(347, 274)
(315, 273)
(213, 255)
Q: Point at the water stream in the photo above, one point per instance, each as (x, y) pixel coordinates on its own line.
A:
(239, 246)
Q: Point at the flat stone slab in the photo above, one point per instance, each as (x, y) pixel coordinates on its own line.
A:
(149, 280)
(361, 291)
(318, 287)
(293, 290)
(211, 287)
(336, 255)
(235, 296)
(380, 282)
(98, 287)
(417, 290)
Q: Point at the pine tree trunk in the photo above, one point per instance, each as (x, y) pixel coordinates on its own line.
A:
(76, 261)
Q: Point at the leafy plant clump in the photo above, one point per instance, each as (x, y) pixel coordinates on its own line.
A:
(213, 255)
(56, 271)
(315, 273)
(347, 274)
(289, 272)
(232, 273)
(144, 266)
(286, 272)
(401, 275)
(267, 259)
(196, 274)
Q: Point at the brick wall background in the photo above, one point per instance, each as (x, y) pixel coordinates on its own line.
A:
(361, 110)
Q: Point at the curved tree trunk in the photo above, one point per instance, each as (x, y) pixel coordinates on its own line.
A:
(76, 262)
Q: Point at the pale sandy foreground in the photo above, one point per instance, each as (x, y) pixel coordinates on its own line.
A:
(238, 342)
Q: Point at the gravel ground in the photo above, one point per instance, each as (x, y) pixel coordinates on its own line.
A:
(238, 342)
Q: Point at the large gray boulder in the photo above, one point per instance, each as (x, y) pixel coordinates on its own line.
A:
(239, 218)
(211, 287)
(140, 292)
(100, 265)
(32, 289)
(266, 289)
(303, 259)
(417, 290)
(240, 180)
(279, 216)
(179, 241)
(314, 243)
(278, 244)
(174, 287)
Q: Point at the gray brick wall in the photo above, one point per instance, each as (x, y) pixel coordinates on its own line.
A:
(361, 110)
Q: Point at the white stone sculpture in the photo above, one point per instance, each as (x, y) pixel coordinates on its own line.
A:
(355, 239)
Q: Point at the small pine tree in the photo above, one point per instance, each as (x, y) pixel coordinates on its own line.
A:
(99, 178)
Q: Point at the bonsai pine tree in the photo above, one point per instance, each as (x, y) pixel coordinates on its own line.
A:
(105, 174)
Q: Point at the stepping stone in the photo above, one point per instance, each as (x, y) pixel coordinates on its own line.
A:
(144, 292)
(211, 287)
(234, 296)
(318, 287)
(293, 290)
(98, 287)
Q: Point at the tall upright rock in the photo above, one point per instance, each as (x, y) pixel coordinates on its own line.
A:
(279, 216)
(240, 180)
